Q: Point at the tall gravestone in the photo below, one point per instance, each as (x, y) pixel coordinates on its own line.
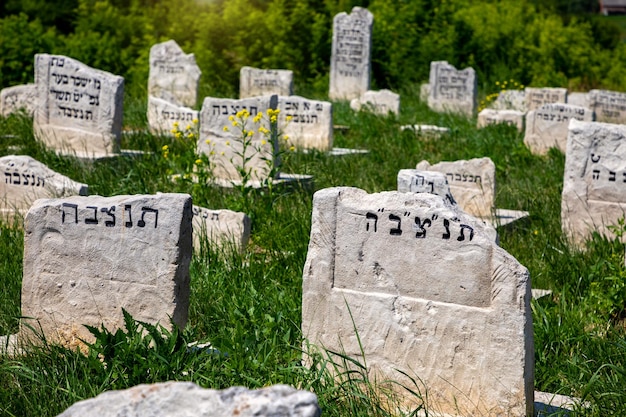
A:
(609, 106)
(537, 97)
(594, 183)
(174, 75)
(162, 116)
(451, 89)
(308, 124)
(262, 82)
(87, 258)
(429, 293)
(547, 126)
(18, 97)
(79, 109)
(350, 58)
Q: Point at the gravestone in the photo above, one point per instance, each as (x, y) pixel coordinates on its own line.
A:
(310, 124)
(432, 182)
(547, 126)
(174, 76)
(426, 131)
(511, 117)
(429, 293)
(578, 99)
(380, 102)
(609, 106)
(79, 109)
(537, 97)
(451, 89)
(510, 100)
(87, 258)
(162, 115)
(350, 57)
(594, 184)
(220, 228)
(263, 82)
(27, 180)
(12, 99)
(424, 92)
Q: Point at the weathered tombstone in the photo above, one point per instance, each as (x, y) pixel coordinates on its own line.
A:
(426, 131)
(262, 82)
(472, 183)
(537, 97)
(380, 102)
(594, 184)
(424, 92)
(162, 115)
(510, 100)
(79, 109)
(174, 75)
(310, 124)
(27, 180)
(432, 182)
(511, 117)
(451, 89)
(428, 292)
(184, 399)
(12, 99)
(350, 58)
(578, 99)
(220, 228)
(547, 126)
(87, 258)
(609, 106)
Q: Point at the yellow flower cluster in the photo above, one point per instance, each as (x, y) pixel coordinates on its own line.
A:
(166, 151)
(273, 115)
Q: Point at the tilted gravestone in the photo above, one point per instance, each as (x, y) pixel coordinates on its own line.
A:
(451, 89)
(350, 57)
(174, 76)
(380, 102)
(162, 116)
(27, 180)
(428, 292)
(220, 229)
(609, 106)
(511, 117)
(87, 258)
(18, 97)
(510, 100)
(537, 97)
(79, 109)
(594, 184)
(546, 127)
(262, 82)
(310, 124)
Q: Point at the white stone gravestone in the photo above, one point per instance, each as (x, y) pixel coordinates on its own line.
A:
(350, 57)
(429, 293)
(27, 180)
(380, 102)
(79, 109)
(547, 126)
(222, 229)
(510, 100)
(426, 131)
(451, 89)
(578, 99)
(162, 115)
(537, 97)
(310, 124)
(511, 117)
(609, 106)
(87, 258)
(432, 182)
(174, 76)
(594, 183)
(262, 82)
(18, 97)
(424, 92)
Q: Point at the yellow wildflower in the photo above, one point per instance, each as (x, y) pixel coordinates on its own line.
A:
(225, 128)
(208, 141)
(174, 131)
(258, 117)
(273, 119)
(194, 121)
(234, 124)
(188, 127)
(263, 142)
(232, 118)
(198, 161)
(286, 137)
(227, 143)
(292, 148)
(178, 135)
(221, 153)
(165, 148)
(190, 135)
(212, 153)
(175, 124)
(250, 132)
(288, 118)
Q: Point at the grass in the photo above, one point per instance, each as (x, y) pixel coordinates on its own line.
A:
(249, 306)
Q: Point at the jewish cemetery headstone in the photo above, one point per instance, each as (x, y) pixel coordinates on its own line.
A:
(163, 115)
(578, 99)
(432, 182)
(174, 76)
(262, 82)
(79, 109)
(223, 142)
(451, 89)
(426, 131)
(460, 323)
(87, 258)
(27, 180)
(609, 106)
(350, 57)
(380, 102)
(511, 117)
(424, 92)
(18, 97)
(308, 124)
(594, 184)
(547, 126)
(510, 100)
(537, 97)
(184, 399)
(220, 228)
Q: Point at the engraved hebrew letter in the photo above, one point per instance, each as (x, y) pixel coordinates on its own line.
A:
(129, 223)
(215, 216)
(142, 223)
(110, 212)
(461, 237)
(371, 216)
(596, 174)
(16, 174)
(420, 227)
(451, 176)
(26, 178)
(597, 158)
(396, 231)
(457, 177)
(95, 216)
(74, 206)
(42, 181)
(216, 109)
(419, 180)
(612, 176)
(446, 224)
(7, 177)
(478, 179)
(464, 177)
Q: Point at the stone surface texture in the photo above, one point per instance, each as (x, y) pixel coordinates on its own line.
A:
(432, 182)
(426, 131)
(609, 106)
(510, 100)
(18, 97)
(429, 293)
(451, 89)
(537, 97)
(79, 109)
(162, 115)
(472, 183)
(350, 60)
(380, 102)
(225, 229)
(578, 99)
(87, 258)
(186, 399)
(424, 92)
(594, 183)
(310, 125)
(265, 82)
(510, 117)
(547, 126)
(174, 76)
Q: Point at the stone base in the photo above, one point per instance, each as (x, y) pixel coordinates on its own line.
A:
(537, 293)
(426, 131)
(9, 346)
(346, 151)
(282, 180)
